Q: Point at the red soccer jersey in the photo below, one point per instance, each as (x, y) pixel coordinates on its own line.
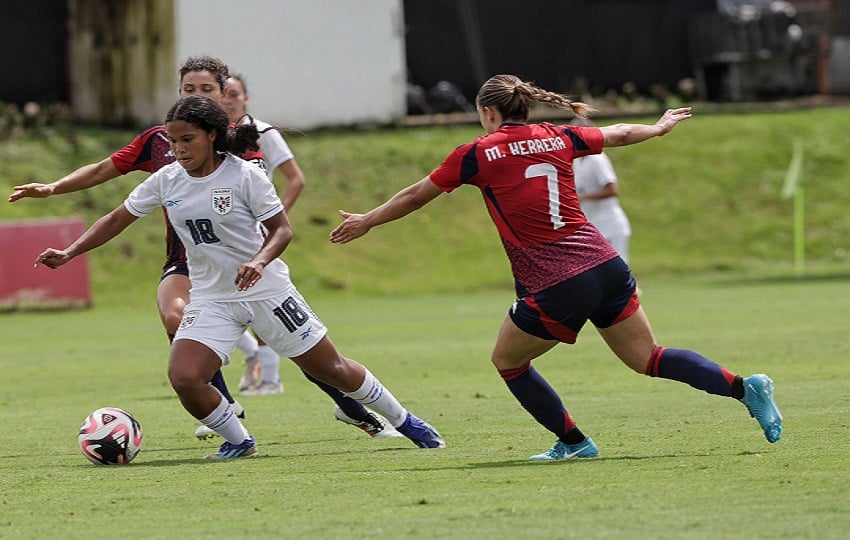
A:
(526, 177)
(149, 152)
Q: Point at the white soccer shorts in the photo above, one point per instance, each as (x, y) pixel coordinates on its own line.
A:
(286, 323)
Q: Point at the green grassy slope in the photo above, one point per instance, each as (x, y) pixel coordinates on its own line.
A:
(705, 198)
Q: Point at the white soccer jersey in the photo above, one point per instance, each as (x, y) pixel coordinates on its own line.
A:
(592, 173)
(216, 218)
(273, 146)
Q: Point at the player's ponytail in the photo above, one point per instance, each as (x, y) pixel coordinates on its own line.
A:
(513, 98)
(242, 137)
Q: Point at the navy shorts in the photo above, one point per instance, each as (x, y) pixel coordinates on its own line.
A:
(603, 295)
(178, 268)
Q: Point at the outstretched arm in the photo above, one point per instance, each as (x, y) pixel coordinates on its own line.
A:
(625, 134)
(83, 178)
(408, 200)
(104, 230)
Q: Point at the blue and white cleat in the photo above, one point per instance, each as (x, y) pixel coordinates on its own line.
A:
(561, 450)
(421, 433)
(758, 397)
(246, 448)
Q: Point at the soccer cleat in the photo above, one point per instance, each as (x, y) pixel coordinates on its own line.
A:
(378, 427)
(251, 377)
(265, 388)
(758, 397)
(246, 448)
(561, 450)
(421, 433)
(203, 433)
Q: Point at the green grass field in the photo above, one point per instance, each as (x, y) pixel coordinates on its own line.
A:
(675, 463)
(419, 302)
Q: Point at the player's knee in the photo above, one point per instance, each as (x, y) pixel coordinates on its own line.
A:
(184, 382)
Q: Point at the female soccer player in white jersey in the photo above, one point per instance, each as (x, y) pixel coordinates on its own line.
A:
(565, 272)
(214, 202)
(149, 151)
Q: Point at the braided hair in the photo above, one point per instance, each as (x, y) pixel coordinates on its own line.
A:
(513, 98)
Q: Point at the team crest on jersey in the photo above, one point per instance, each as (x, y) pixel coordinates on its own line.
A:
(189, 319)
(222, 200)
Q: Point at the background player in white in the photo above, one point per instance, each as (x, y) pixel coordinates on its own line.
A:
(598, 194)
(215, 201)
(262, 371)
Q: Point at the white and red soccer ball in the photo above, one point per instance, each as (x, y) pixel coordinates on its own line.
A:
(110, 436)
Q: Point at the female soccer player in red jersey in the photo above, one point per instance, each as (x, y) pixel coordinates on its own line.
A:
(564, 270)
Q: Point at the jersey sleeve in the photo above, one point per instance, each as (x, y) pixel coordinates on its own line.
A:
(585, 140)
(451, 174)
(275, 150)
(145, 197)
(138, 155)
(261, 195)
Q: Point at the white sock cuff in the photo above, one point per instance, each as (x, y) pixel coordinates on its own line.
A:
(219, 415)
(369, 391)
(223, 421)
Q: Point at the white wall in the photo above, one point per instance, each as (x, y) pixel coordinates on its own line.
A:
(307, 63)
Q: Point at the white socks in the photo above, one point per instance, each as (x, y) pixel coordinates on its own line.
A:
(270, 363)
(372, 394)
(223, 421)
(248, 344)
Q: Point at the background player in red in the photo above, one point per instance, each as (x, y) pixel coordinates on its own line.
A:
(149, 151)
(565, 272)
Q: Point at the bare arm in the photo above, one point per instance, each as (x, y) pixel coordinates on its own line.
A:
(408, 200)
(294, 182)
(85, 177)
(626, 134)
(104, 230)
(609, 190)
(279, 234)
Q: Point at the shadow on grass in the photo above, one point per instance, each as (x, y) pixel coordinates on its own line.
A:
(508, 463)
(528, 463)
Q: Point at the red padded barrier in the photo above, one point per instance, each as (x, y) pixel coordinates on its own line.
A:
(21, 285)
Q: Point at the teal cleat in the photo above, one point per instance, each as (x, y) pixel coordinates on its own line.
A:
(758, 397)
(561, 450)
